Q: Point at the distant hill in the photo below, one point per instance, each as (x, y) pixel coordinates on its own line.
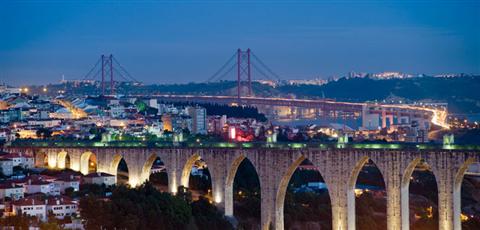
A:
(461, 93)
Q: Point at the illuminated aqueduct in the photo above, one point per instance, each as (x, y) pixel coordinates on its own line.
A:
(338, 167)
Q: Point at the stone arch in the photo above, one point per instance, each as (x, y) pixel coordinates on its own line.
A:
(229, 184)
(85, 162)
(282, 190)
(187, 168)
(352, 181)
(147, 167)
(232, 172)
(117, 158)
(41, 159)
(457, 191)
(63, 160)
(356, 170)
(405, 189)
(404, 193)
(114, 164)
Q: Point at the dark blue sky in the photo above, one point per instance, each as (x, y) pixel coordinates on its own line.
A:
(180, 42)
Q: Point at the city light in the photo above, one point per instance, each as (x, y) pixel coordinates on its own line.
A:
(232, 132)
(218, 198)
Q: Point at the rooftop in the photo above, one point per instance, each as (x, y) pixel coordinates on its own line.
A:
(28, 201)
(99, 174)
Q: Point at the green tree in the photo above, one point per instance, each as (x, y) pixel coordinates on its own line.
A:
(207, 216)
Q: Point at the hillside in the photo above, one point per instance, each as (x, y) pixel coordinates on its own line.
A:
(461, 93)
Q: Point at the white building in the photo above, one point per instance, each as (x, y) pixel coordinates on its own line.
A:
(61, 206)
(45, 123)
(117, 111)
(99, 178)
(33, 206)
(199, 119)
(11, 190)
(6, 166)
(30, 206)
(40, 186)
(19, 160)
(62, 184)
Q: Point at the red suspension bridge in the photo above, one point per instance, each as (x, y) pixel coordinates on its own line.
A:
(247, 65)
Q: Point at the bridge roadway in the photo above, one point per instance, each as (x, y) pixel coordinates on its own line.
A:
(338, 166)
(326, 104)
(323, 104)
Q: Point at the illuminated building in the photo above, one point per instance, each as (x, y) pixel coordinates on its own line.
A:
(167, 122)
(199, 119)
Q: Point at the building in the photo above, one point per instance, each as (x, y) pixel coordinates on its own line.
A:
(156, 129)
(11, 190)
(99, 178)
(167, 122)
(30, 206)
(6, 167)
(61, 207)
(5, 135)
(67, 182)
(217, 124)
(41, 186)
(12, 114)
(117, 111)
(49, 123)
(199, 119)
(19, 160)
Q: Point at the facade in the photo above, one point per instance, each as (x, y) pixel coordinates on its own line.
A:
(10, 115)
(19, 160)
(45, 123)
(199, 119)
(167, 122)
(30, 206)
(61, 207)
(11, 190)
(67, 182)
(6, 167)
(33, 206)
(100, 178)
(39, 186)
(117, 111)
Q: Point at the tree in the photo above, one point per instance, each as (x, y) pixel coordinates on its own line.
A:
(51, 223)
(69, 191)
(20, 221)
(207, 216)
(135, 208)
(44, 133)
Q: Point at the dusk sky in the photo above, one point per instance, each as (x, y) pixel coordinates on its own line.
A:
(167, 42)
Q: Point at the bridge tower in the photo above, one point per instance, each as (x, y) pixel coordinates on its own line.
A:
(243, 71)
(107, 68)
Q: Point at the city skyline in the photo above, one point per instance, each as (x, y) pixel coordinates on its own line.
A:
(168, 43)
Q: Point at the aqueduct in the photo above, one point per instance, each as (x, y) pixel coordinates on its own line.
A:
(338, 166)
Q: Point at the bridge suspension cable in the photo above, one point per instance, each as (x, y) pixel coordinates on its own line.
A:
(229, 62)
(278, 78)
(245, 63)
(108, 67)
